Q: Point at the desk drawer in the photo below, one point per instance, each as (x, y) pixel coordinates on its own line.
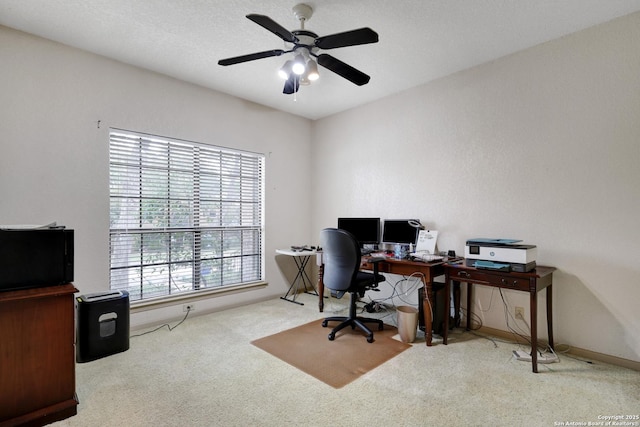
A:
(493, 279)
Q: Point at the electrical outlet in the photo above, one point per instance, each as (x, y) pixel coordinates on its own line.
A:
(188, 307)
(520, 313)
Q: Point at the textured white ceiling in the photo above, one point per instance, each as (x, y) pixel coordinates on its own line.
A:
(420, 40)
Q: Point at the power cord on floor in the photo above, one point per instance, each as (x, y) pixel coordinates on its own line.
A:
(542, 347)
(171, 328)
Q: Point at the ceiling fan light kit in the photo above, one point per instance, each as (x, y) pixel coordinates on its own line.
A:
(312, 70)
(303, 69)
(285, 70)
(298, 64)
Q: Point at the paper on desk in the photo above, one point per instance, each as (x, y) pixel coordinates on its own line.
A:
(427, 241)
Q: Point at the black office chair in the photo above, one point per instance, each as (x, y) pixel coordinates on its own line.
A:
(341, 259)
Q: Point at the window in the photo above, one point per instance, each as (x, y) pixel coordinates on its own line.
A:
(184, 217)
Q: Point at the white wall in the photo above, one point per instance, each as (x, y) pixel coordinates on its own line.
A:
(543, 145)
(54, 157)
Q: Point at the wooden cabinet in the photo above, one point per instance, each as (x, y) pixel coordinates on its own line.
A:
(37, 356)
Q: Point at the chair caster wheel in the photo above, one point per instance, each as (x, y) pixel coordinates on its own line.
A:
(332, 336)
(370, 339)
(324, 323)
(380, 327)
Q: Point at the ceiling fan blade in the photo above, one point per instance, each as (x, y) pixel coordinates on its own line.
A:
(292, 84)
(348, 38)
(251, 57)
(344, 70)
(273, 26)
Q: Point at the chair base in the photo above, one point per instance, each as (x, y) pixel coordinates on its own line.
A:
(353, 322)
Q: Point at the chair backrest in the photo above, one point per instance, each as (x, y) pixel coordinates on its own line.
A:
(341, 258)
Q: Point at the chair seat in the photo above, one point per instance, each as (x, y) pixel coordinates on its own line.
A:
(360, 285)
(364, 279)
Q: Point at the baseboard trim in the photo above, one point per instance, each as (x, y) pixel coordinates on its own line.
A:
(574, 351)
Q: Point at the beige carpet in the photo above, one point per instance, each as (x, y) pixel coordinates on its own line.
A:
(337, 362)
(207, 373)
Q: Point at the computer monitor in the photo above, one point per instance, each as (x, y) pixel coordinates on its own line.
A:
(400, 231)
(365, 230)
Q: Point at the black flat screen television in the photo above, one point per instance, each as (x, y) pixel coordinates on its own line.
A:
(33, 258)
(399, 231)
(365, 230)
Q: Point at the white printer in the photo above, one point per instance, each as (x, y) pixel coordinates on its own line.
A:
(500, 254)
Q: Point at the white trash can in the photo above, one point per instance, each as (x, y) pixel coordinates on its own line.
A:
(407, 320)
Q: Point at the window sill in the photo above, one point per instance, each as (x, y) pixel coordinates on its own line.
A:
(151, 304)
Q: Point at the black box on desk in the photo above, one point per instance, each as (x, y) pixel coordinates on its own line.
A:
(102, 325)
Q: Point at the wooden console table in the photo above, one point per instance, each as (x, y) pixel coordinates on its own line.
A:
(429, 270)
(532, 282)
(37, 356)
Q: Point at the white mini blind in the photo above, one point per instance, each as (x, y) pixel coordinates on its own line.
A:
(184, 216)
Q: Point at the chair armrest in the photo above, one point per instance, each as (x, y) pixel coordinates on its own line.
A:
(376, 269)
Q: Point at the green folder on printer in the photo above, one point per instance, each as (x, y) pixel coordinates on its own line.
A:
(490, 265)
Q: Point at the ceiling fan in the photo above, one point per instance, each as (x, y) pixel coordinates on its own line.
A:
(305, 45)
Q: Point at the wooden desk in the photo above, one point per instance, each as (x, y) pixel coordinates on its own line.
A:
(532, 282)
(429, 271)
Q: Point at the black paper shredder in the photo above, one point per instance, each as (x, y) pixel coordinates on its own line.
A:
(102, 325)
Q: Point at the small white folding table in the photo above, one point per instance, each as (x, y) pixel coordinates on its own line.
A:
(301, 258)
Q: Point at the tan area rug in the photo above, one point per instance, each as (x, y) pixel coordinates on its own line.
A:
(337, 362)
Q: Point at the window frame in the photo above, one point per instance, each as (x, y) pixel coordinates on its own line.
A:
(200, 207)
